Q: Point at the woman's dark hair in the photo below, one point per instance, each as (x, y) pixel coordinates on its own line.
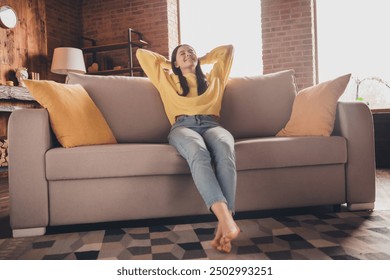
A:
(200, 76)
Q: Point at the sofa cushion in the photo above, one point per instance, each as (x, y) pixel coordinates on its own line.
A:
(275, 152)
(314, 109)
(131, 105)
(113, 161)
(161, 159)
(74, 117)
(258, 106)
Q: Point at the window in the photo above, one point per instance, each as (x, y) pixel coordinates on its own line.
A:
(353, 38)
(205, 24)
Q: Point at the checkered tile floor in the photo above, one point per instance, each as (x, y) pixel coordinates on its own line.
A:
(344, 235)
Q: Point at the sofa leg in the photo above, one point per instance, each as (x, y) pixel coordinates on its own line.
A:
(360, 206)
(27, 232)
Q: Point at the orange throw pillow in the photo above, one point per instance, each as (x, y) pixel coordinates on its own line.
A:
(314, 109)
(74, 117)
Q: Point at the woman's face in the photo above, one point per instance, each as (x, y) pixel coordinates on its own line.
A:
(186, 59)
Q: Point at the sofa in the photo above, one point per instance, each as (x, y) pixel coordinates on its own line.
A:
(143, 177)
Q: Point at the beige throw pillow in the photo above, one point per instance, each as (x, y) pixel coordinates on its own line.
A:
(74, 117)
(314, 109)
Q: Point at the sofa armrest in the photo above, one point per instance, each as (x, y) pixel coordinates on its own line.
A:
(354, 122)
(29, 137)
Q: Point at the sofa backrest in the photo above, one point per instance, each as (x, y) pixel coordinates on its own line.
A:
(131, 105)
(258, 106)
(252, 106)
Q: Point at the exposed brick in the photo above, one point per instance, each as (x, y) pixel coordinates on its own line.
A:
(64, 28)
(288, 38)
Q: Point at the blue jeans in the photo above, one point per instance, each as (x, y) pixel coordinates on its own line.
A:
(209, 151)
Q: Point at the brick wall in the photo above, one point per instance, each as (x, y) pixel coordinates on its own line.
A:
(64, 28)
(288, 38)
(173, 25)
(108, 22)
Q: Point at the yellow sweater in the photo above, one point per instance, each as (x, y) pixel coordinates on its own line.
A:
(157, 69)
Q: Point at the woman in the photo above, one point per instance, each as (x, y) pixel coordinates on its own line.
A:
(192, 102)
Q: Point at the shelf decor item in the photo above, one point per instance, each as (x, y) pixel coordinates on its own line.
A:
(21, 74)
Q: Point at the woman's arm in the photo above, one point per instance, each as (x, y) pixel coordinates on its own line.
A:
(154, 65)
(222, 58)
(221, 52)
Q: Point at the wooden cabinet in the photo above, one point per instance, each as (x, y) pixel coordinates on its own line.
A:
(134, 41)
(382, 137)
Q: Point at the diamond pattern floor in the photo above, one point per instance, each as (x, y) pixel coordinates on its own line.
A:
(344, 235)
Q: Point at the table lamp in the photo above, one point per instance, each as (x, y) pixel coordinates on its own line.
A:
(66, 60)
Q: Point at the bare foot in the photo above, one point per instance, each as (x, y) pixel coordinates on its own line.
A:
(225, 244)
(227, 228)
(218, 235)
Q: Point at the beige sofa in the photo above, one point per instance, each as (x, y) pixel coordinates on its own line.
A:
(143, 177)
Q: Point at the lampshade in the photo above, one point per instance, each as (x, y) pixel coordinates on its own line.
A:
(67, 60)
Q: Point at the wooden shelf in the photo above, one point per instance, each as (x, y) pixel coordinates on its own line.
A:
(128, 46)
(380, 111)
(111, 47)
(115, 72)
(103, 48)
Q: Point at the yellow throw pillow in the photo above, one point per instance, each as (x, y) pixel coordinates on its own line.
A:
(314, 109)
(74, 117)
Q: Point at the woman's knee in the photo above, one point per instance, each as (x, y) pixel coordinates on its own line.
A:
(190, 148)
(222, 146)
(224, 152)
(217, 136)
